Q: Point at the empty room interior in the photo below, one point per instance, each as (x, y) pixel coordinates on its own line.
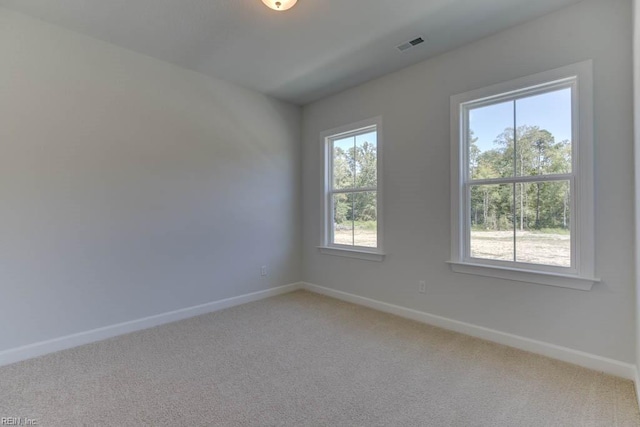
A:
(320, 212)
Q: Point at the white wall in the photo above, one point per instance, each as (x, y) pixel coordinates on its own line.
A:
(130, 187)
(414, 104)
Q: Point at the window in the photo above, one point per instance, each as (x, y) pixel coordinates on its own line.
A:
(352, 220)
(522, 179)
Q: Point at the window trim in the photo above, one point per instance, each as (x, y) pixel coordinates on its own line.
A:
(582, 273)
(326, 247)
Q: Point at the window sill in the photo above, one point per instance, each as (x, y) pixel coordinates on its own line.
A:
(528, 276)
(352, 253)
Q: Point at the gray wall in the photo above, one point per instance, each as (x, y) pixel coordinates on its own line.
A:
(636, 105)
(414, 104)
(131, 187)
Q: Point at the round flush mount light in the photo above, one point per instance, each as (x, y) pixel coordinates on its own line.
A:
(280, 5)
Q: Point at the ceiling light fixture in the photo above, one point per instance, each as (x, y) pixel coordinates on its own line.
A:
(280, 5)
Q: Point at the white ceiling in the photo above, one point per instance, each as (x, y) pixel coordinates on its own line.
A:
(315, 49)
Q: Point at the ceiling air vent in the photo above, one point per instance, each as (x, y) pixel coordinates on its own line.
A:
(411, 43)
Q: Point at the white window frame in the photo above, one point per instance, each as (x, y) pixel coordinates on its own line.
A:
(326, 140)
(581, 274)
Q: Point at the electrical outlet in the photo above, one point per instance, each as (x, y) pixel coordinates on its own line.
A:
(263, 270)
(422, 286)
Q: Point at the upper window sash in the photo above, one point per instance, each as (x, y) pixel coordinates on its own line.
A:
(352, 133)
(329, 156)
(515, 95)
(523, 92)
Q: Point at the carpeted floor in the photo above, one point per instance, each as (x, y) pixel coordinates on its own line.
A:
(302, 359)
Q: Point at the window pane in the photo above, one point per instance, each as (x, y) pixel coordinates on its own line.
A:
(543, 144)
(492, 230)
(490, 144)
(366, 160)
(344, 164)
(366, 219)
(343, 219)
(543, 233)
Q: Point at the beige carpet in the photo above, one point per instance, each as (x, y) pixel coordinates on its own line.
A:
(306, 360)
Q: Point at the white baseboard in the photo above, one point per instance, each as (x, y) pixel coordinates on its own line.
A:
(576, 357)
(636, 382)
(50, 346)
